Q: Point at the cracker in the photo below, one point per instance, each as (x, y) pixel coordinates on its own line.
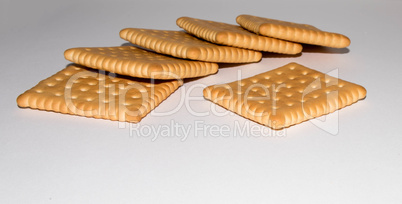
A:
(80, 91)
(182, 45)
(294, 32)
(233, 35)
(136, 62)
(285, 96)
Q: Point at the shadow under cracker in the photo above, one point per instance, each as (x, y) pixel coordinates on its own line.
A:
(278, 55)
(325, 50)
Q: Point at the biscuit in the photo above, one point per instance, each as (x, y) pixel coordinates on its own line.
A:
(285, 96)
(85, 92)
(236, 36)
(136, 62)
(182, 45)
(294, 32)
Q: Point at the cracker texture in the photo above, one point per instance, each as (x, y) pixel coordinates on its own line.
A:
(234, 35)
(136, 62)
(85, 92)
(285, 96)
(182, 45)
(302, 33)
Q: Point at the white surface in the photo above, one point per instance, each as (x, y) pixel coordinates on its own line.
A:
(54, 158)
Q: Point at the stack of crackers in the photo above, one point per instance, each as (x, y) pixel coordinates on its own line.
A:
(125, 83)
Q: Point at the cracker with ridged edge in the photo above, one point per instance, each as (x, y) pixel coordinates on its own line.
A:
(302, 33)
(236, 36)
(182, 45)
(285, 96)
(136, 62)
(85, 92)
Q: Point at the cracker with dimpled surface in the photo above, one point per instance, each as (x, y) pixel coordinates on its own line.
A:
(285, 96)
(136, 62)
(85, 92)
(234, 35)
(182, 45)
(302, 33)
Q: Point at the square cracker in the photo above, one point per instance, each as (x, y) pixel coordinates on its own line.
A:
(285, 96)
(234, 35)
(136, 62)
(182, 45)
(302, 33)
(80, 91)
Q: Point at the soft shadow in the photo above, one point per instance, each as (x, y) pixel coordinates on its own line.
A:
(321, 49)
(72, 63)
(230, 65)
(128, 44)
(278, 55)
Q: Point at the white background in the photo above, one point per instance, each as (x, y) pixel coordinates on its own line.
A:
(53, 158)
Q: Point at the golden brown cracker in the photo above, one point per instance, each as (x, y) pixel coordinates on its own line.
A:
(233, 35)
(136, 62)
(182, 45)
(302, 33)
(80, 91)
(285, 96)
